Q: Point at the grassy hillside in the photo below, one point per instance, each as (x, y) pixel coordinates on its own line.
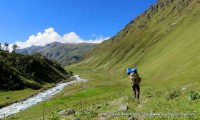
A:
(162, 28)
(163, 43)
(25, 71)
(65, 54)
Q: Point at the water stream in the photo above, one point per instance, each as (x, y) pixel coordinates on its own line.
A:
(22, 105)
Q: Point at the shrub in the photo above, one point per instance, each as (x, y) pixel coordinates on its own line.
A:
(193, 95)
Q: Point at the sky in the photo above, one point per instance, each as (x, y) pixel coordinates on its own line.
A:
(40, 22)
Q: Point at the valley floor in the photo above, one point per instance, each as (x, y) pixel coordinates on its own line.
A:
(108, 96)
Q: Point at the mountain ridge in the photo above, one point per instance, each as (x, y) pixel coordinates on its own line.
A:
(63, 53)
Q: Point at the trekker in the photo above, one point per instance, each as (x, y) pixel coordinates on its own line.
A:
(135, 81)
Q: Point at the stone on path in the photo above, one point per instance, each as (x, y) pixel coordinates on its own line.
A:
(67, 112)
(123, 107)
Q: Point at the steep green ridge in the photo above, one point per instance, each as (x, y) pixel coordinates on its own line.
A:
(163, 42)
(19, 71)
(65, 54)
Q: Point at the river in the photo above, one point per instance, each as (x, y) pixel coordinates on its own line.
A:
(47, 94)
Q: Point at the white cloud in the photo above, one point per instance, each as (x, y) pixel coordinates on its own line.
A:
(49, 35)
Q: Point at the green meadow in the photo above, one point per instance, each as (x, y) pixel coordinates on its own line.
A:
(104, 94)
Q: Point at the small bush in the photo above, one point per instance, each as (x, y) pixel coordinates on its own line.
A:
(193, 95)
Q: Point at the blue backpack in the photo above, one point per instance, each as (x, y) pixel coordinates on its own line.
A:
(130, 70)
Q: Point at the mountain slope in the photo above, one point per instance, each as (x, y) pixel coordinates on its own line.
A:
(19, 71)
(64, 54)
(163, 40)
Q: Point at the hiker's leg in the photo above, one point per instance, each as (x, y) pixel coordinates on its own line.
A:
(134, 90)
(135, 94)
(138, 91)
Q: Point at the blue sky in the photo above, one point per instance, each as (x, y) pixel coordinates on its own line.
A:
(29, 21)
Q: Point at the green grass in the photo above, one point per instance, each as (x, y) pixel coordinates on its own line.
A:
(12, 96)
(99, 89)
(109, 93)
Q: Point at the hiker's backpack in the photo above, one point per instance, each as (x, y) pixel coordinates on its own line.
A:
(130, 70)
(136, 79)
